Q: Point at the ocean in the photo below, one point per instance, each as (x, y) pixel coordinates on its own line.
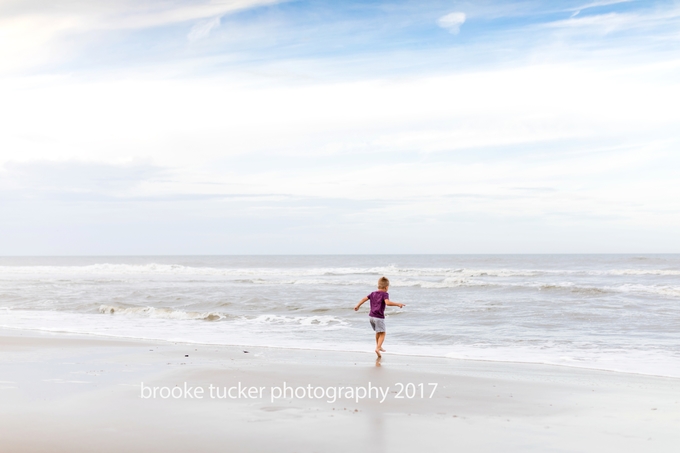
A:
(610, 312)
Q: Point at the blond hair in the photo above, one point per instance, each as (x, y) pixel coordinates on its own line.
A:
(383, 283)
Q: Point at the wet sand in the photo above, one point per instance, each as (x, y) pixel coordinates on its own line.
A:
(67, 393)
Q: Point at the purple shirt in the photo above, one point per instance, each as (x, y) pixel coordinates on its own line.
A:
(377, 299)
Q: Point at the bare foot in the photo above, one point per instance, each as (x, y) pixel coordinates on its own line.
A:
(382, 350)
(377, 351)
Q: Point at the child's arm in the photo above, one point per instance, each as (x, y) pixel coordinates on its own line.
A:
(360, 303)
(394, 304)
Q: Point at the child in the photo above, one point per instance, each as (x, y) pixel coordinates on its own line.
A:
(376, 316)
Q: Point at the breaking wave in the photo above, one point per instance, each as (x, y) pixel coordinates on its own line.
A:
(164, 313)
(256, 273)
(167, 313)
(301, 320)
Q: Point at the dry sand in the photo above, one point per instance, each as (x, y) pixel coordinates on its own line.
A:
(65, 393)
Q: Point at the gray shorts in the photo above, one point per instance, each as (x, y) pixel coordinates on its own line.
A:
(378, 324)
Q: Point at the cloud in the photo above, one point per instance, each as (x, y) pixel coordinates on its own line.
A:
(470, 132)
(452, 22)
(202, 29)
(256, 122)
(39, 32)
(123, 14)
(658, 22)
(598, 5)
(59, 179)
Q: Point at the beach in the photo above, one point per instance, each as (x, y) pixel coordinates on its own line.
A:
(80, 393)
(217, 213)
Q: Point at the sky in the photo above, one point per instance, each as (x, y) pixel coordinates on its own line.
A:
(154, 127)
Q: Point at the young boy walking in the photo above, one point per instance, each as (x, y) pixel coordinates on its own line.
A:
(379, 299)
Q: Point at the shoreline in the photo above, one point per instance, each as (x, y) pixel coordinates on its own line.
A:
(69, 393)
(349, 351)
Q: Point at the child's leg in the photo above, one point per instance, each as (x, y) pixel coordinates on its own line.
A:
(379, 339)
